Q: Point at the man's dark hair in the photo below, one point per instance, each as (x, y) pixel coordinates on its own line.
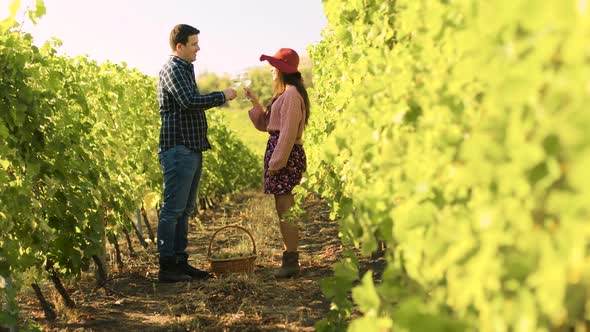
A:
(180, 34)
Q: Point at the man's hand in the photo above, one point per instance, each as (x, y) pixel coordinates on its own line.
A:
(273, 172)
(230, 94)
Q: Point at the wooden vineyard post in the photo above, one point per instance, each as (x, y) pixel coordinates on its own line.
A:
(101, 271)
(62, 290)
(138, 228)
(147, 224)
(47, 307)
(129, 244)
(139, 236)
(115, 243)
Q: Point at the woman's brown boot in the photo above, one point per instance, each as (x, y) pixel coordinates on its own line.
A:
(290, 266)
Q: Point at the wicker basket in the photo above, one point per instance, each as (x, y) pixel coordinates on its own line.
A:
(244, 264)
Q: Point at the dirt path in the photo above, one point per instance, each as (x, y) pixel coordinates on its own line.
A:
(134, 301)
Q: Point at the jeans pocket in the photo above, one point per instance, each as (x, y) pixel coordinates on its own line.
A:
(184, 151)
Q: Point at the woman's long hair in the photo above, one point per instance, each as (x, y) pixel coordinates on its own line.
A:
(295, 79)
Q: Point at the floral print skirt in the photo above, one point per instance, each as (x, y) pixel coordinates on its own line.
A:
(288, 176)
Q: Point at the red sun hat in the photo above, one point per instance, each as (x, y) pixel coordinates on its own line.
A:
(285, 60)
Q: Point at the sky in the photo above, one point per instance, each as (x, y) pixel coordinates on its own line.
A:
(233, 32)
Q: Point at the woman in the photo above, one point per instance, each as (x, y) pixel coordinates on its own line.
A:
(284, 160)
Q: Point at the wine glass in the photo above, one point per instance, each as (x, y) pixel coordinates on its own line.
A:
(235, 82)
(246, 81)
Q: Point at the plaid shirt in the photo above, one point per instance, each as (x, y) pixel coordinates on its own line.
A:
(182, 108)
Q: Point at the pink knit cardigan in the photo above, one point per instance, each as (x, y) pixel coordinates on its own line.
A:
(287, 116)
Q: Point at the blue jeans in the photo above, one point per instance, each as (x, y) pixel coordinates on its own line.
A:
(182, 170)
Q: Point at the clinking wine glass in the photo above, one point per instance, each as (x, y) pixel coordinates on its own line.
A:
(246, 81)
(235, 82)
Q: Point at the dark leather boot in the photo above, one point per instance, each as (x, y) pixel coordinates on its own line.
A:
(169, 271)
(290, 267)
(194, 273)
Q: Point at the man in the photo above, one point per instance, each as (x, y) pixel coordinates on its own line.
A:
(183, 138)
